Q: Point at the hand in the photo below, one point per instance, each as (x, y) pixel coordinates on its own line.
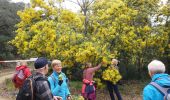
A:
(69, 97)
(57, 98)
(102, 63)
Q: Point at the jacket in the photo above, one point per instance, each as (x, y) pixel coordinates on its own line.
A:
(59, 90)
(21, 73)
(42, 91)
(88, 76)
(151, 93)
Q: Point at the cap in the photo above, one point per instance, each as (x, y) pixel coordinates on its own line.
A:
(40, 63)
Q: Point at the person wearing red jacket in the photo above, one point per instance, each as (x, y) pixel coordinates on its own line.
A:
(21, 73)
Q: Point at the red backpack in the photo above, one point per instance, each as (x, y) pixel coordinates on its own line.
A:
(19, 77)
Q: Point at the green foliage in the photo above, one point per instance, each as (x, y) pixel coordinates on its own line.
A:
(76, 84)
(8, 20)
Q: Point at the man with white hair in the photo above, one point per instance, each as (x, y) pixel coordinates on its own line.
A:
(157, 72)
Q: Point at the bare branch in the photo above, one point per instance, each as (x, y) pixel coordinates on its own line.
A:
(73, 2)
(90, 3)
(79, 4)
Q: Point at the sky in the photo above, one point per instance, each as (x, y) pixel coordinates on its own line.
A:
(66, 4)
(70, 5)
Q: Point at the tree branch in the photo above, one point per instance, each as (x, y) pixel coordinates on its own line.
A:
(90, 3)
(73, 2)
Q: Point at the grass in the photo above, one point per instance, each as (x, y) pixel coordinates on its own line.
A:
(9, 85)
(133, 86)
(75, 87)
(8, 90)
(130, 90)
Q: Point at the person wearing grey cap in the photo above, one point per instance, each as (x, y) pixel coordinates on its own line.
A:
(43, 86)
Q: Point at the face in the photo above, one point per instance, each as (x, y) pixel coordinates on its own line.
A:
(114, 62)
(89, 65)
(18, 64)
(150, 73)
(46, 69)
(58, 67)
(24, 63)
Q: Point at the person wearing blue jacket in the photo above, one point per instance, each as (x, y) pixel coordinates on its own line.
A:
(58, 81)
(156, 71)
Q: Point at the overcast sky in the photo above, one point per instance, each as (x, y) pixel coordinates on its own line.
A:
(70, 5)
(66, 4)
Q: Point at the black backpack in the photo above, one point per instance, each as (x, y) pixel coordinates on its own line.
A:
(27, 90)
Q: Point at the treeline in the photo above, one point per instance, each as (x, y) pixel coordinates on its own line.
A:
(8, 19)
(133, 31)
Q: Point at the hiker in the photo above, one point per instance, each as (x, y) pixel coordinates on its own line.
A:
(158, 76)
(21, 73)
(88, 88)
(36, 87)
(112, 81)
(58, 81)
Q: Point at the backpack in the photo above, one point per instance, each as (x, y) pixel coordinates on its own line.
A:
(89, 88)
(19, 78)
(164, 91)
(27, 90)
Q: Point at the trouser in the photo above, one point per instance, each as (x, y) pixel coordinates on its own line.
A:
(114, 87)
(91, 96)
(87, 99)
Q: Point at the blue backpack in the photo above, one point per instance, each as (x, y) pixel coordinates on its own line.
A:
(163, 90)
(89, 88)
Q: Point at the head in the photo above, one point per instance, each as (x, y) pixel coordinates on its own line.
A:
(114, 62)
(88, 65)
(23, 63)
(156, 67)
(56, 65)
(41, 65)
(18, 64)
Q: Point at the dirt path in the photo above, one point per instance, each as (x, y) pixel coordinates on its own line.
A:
(5, 98)
(5, 74)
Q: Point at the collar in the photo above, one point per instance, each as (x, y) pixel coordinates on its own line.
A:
(55, 73)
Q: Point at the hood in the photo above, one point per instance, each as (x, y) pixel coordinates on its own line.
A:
(21, 67)
(162, 79)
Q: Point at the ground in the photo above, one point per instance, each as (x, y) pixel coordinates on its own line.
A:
(130, 90)
(5, 74)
